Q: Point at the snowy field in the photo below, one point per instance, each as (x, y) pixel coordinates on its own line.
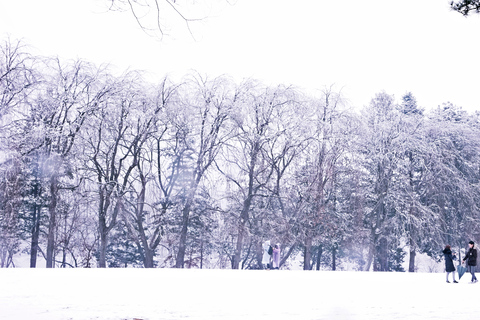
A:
(38, 294)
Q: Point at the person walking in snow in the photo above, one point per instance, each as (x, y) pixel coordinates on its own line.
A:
(267, 255)
(276, 257)
(449, 267)
(471, 258)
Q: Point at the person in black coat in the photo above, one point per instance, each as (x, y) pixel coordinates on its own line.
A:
(449, 267)
(471, 258)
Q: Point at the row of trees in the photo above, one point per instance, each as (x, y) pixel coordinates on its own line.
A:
(112, 171)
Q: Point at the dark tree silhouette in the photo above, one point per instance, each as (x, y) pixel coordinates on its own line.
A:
(466, 6)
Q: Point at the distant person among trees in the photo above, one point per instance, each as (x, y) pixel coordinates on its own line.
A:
(471, 258)
(449, 266)
(276, 257)
(267, 255)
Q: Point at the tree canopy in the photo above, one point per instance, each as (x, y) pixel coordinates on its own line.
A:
(465, 7)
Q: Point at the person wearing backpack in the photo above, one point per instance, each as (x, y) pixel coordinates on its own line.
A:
(471, 258)
(449, 266)
(267, 255)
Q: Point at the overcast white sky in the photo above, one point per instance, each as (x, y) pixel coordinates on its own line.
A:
(363, 47)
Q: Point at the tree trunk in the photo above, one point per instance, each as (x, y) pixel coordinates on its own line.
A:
(201, 253)
(35, 236)
(286, 256)
(371, 250)
(3, 258)
(148, 251)
(307, 254)
(411, 263)
(241, 232)
(64, 258)
(259, 254)
(180, 260)
(334, 258)
(374, 231)
(148, 258)
(52, 208)
(102, 261)
(383, 255)
(319, 257)
(244, 216)
(102, 228)
(238, 249)
(413, 253)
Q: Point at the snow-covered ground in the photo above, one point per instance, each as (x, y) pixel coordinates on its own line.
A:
(38, 294)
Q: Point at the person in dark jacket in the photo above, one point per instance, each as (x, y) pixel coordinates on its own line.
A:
(449, 267)
(471, 258)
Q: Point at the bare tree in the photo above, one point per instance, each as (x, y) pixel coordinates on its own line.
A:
(10, 204)
(316, 214)
(17, 80)
(246, 164)
(206, 110)
(162, 16)
(17, 76)
(145, 215)
(59, 111)
(116, 141)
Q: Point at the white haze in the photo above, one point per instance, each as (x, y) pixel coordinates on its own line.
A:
(362, 47)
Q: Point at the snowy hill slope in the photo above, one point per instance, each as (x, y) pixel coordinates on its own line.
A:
(226, 294)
